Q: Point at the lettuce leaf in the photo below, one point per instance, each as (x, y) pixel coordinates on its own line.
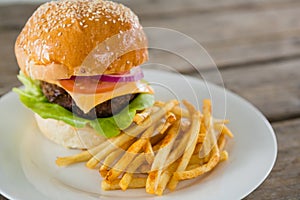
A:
(32, 97)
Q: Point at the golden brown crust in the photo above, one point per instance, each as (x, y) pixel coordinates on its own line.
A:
(66, 33)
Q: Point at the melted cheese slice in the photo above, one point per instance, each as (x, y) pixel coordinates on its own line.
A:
(88, 101)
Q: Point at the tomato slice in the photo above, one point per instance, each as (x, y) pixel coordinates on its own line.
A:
(88, 85)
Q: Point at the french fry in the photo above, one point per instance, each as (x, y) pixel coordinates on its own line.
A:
(206, 148)
(192, 166)
(150, 182)
(159, 103)
(170, 119)
(212, 162)
(201, 137)
(195, 159)
(140, 117)
(125, 181)
(190, 147)
(128, 176)
(110, 146)
(181, 112)
(221, 141)
(135, 183)
(198, 148)
(145, 168)
(150, 158)
(183, 142)
(211, 140)
(205, 129)
(224, 156)
(183, 175)
(213, 143)
(207, 113)
(109, 160)
(149, 153)
(157, 138)
(221, 121)
(190, 108)
(161, 157)
(81, 157)
(185, 125)
(223, 129)
(180, 147)
(165, 147)
(125, 160)
(65, 161)
(156, 116)
(165, 177)
(129, 155)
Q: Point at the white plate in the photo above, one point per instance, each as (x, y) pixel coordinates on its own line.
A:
(28, 170)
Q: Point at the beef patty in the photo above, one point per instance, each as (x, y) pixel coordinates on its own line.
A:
(58, 95)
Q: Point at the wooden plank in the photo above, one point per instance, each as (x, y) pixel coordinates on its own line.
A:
(156, 8)
(236, 25)
(8, 65)
(235, 37)
(225, 55)
(273, 87)
(283, 182)
(15, 16)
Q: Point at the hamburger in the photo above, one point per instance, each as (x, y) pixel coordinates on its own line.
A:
(80, 65)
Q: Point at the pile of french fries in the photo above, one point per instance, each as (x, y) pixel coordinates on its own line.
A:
(165, 144)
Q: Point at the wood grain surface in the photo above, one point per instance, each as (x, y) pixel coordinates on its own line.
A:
(255, 44)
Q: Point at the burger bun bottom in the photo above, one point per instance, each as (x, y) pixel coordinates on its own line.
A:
(68, 136)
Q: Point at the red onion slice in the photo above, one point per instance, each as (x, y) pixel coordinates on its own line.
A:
(134, 75)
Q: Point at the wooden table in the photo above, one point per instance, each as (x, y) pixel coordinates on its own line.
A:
(256, 46)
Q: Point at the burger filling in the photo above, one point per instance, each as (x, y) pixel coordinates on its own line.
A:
(58, 95)
(49, 100)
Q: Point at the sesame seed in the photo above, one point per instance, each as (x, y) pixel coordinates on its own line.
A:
(59, 34)
(105, 22)
(82, 70)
